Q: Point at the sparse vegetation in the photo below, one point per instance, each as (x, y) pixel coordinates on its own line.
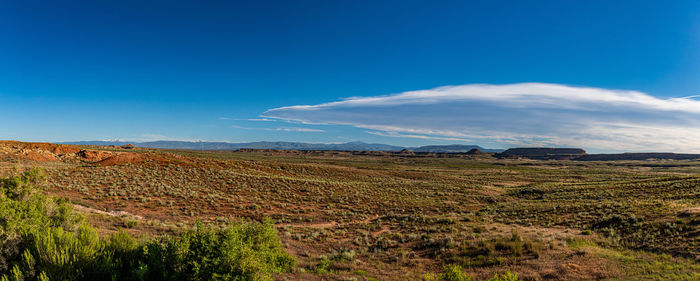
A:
(347, 217)
(44, 240)
(456, 273)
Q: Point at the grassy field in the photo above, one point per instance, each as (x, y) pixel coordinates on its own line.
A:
(349, 217)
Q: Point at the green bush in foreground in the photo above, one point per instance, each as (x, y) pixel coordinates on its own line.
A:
(455, 272)
(42, 239)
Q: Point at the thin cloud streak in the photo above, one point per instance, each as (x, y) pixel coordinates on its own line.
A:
(397, 135)
(281, 129)
(299, 130)
(157, 137)
(540, 94)
(533, 114)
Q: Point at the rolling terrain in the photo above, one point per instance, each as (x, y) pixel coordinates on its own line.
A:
(399, 216)
(281, 145)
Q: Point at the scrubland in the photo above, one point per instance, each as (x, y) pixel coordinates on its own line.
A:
(353, 217)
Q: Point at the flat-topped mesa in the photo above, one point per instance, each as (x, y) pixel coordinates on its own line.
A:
(637, 156)
(543, 153)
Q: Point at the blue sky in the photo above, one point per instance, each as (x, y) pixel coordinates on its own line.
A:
(526, 72)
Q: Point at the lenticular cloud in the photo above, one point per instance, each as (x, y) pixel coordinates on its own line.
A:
(534, 114)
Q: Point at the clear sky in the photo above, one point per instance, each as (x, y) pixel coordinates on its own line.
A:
(525, 72)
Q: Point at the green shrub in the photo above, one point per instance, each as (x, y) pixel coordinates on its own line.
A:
(429, 277)
(44, 240)
(245, 251)
(454, 273)
(324, 266)
(508, 276)
(129, 223)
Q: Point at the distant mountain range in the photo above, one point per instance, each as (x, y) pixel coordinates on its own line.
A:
(452, 148)
(542, 153)
(354, 146)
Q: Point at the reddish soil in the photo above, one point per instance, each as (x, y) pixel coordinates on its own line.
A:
(37, 155)
(50, 147)
(93, 155)
(122, 158)
(49, 152)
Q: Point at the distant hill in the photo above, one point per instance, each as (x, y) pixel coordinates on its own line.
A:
(637, 156)
(540, 153)
(359, 146)
(205, 145)
(349, 146)
(105, 143)
(543, 153)
(453, 148)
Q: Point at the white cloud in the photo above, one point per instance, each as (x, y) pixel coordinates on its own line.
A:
(259, 119)
(281, 129)
(532, 114)
(157, 137)
(114, 140)
(413, 136)
(154, 137)
(299, 130)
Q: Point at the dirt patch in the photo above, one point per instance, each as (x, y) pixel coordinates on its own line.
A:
(690, 212)
(119, 159)
(37, 155)
(80, 208)
(93, 155)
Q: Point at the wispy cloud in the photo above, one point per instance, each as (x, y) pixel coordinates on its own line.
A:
(519, 114)
(299, 130)
(154, 137)
(281, 129)
(248, 119)
(412, 136)
(260, 119)
(157, 137)
(114, 140)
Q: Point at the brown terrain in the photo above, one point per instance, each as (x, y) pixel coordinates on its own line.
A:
(397, 215)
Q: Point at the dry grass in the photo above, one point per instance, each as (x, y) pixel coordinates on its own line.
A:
(396, 218)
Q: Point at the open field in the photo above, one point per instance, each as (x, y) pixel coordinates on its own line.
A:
(365, 217)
